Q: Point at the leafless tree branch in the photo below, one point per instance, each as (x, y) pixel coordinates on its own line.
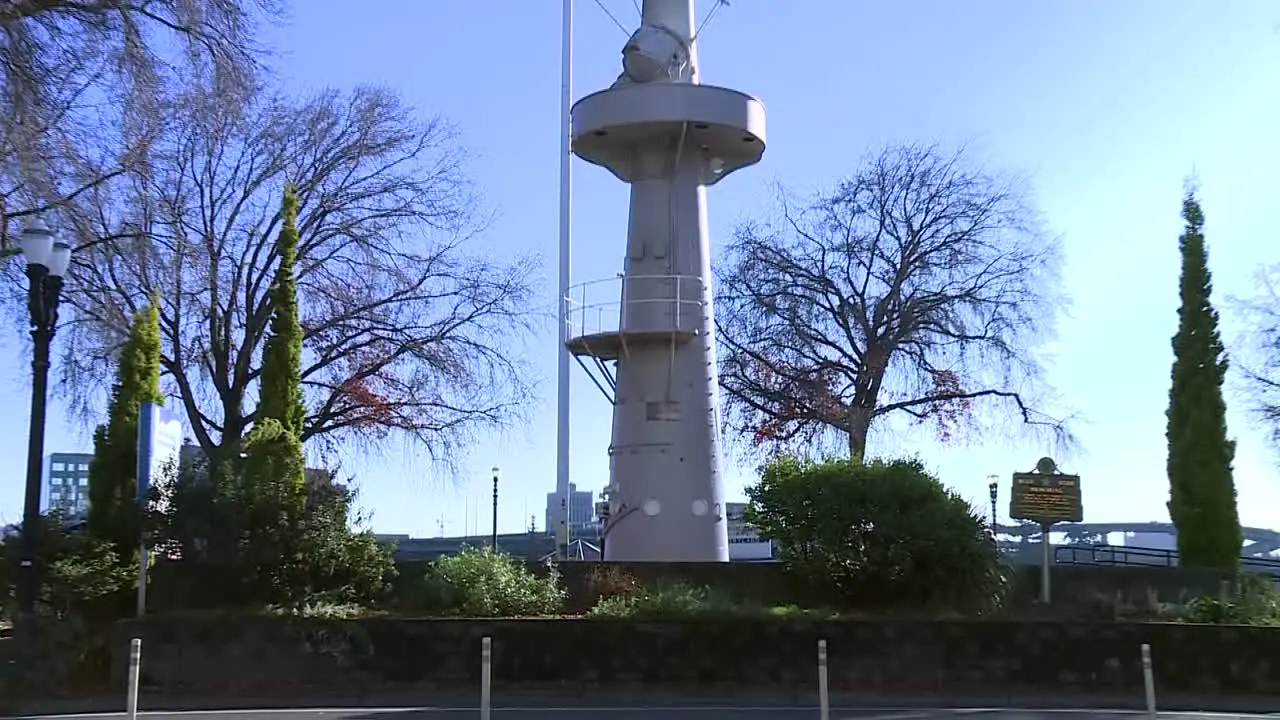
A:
(1257, 365)
(83, 84)
(919, 286)
(405, 332)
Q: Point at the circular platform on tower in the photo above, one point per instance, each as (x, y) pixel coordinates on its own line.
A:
(727, 126)
(603, 320)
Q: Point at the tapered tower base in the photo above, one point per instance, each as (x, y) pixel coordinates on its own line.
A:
(655, 345)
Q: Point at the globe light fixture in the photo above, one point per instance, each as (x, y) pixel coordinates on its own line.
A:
(59, 259)
(654, 54)
(36, 243)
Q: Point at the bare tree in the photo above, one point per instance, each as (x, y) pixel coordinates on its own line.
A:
(82, 83)
(1259, 366)
(920, 286)
(404, 331)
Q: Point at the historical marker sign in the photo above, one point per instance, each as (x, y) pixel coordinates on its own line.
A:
(1046, 496)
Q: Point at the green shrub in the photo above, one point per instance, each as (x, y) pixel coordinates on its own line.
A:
(879, 534)
(479, 582)
(684, 601)
(84, 588)
(677, 600)
(1212, 611)
(1252, 600)
(83, 577)
(262, 541)
(88, 580)
(320, 609)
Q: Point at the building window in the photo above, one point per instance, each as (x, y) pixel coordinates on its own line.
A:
(58, 467)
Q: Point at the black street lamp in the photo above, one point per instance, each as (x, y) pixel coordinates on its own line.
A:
(47, 261)
(994, 489)
(494, 541)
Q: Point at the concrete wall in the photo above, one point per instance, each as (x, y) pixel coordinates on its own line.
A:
(223, 654)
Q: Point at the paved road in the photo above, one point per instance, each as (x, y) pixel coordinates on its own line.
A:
(661, 713)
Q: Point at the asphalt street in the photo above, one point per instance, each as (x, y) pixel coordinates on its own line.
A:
(658, 713)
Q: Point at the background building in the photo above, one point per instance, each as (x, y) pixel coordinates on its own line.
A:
(582, 510)
(744, 542)
(67, 479)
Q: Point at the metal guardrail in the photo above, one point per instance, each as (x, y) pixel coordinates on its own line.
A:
(1122, 555)
(1114, 555)
(602, 306)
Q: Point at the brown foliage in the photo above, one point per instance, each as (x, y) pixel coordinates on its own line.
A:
(608, 582)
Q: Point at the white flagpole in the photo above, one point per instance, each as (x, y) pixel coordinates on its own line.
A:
(562, 352)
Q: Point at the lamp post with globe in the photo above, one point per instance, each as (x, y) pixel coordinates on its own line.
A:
(993, 489)
(494, 540)
(47, 260)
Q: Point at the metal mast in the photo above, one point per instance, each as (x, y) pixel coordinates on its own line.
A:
(566, 219)
(651, 333)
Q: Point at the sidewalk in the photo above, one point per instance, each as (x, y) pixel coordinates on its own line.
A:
(639, 698)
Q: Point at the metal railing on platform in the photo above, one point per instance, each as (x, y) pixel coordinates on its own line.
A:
(604, 306)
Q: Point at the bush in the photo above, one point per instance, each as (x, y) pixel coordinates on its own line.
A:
(677, 600)
(878, 534)
(479, 582)
(344, 566)
(263, 541)
(684, 601)
(89, 580)
(1253, 600)
(84, 587)
(611, 582)
(82, 577)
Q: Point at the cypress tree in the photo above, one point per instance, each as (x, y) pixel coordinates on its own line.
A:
(280, 396)
(274, 447)
(1202, 494)
(273, 474)
(113, 472)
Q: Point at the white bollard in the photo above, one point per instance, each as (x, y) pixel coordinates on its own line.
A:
(486, 675)
(1148, 681)
(135, 669)
(824, 702)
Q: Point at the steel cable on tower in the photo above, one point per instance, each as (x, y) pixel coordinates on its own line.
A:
(707, 20)
(605, 10)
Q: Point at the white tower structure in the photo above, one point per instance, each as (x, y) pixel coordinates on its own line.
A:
(652, 337)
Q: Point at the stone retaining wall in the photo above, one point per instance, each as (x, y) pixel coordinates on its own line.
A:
(246, 655)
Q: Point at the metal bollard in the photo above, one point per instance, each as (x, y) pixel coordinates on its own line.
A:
(824, 702)
(1148, 681)
(486, 676)
(135, 669)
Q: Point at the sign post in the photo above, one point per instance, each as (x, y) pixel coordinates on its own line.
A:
(159, 442)
(1046, 496)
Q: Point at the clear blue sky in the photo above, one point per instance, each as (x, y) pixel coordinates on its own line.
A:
(1106, 105)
